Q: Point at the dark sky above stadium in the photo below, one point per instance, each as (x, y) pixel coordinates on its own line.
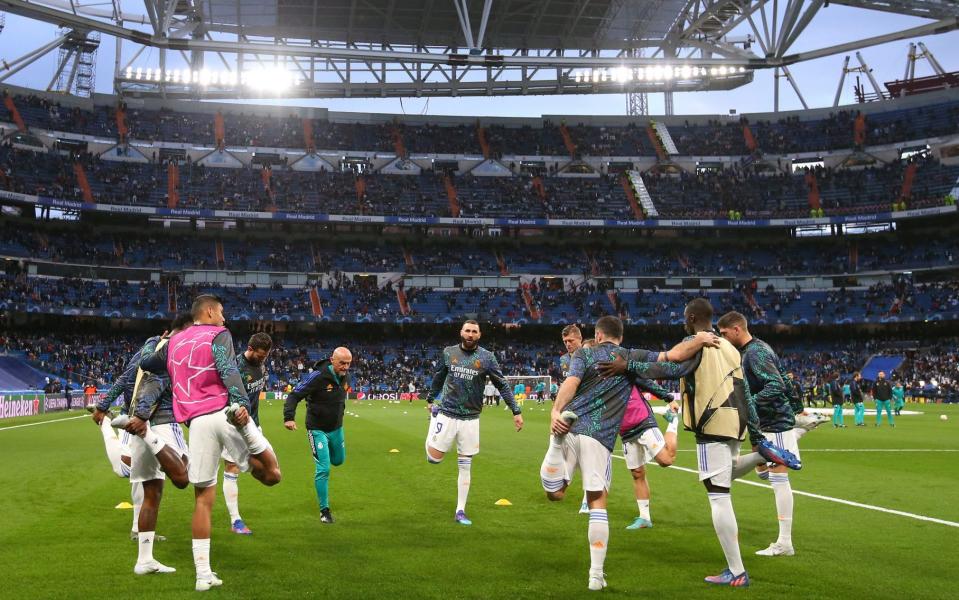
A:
(817, 80)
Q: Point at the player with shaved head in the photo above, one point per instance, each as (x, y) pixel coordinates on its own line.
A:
(457, 385)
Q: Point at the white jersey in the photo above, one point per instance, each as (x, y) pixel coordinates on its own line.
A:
(489, 390)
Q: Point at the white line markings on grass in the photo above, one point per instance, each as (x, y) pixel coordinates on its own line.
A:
(836, 500)
(43, 422)
(861, 450)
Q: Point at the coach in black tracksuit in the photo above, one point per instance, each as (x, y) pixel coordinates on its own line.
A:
(325, 392)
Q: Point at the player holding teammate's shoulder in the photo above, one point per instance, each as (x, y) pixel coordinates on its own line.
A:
(459, 380)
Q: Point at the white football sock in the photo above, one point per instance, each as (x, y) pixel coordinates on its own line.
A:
(673, 426)
(465, 463)
(254, 438)
(153, 441)
(136, 495)
(643, 509)
(784, 506)
(201, 558)
(552, 472)
(112, 445)
(746, 463)
(598, 536)
(727, 530)
(145, 547)
(231, 493)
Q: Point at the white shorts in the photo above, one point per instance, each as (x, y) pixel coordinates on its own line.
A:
(125, 442)
(144, 465)
(210, 436)
(444, 430)
(785, 439)
(716, 461)
(225, 455)
(644, 448)
(593, 460)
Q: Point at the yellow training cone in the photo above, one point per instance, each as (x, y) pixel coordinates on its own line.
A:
(123, 505)
(394, 450)
(503, 502)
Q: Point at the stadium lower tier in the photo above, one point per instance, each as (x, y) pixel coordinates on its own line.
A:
(355, 299)
(925, 367)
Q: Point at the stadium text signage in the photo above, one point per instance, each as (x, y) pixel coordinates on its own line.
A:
(450, 221)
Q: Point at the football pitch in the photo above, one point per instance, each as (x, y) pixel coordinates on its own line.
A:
(61, 537)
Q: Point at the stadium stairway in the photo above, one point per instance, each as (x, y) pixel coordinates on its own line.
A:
(16, 374)
(171, 296)
(316, 305)
(219, 131)
(812, 185)
(14, 113)
(397, 137)
(483, 142)
(451, 196)
(667, 140)
(908, 177)
(402, 300)
(657, 143)
(501, 262)
(173, 185)
(220, 255)
(594, 269)
(636, 190)
(534, 311)
(83, 183)
(568, 140)
(308, 140)
(121, 119)
(749, 138)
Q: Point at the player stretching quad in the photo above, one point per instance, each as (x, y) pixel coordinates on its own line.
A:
(252, 366)
(209, 396)
(157, 448)
(763, 373)
(118, 448)
(460, 376)
(718, 408)
(586, 418)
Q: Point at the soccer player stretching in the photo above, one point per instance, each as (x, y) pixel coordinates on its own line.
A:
(251, 364)
(460, 376)
(325, 392)
(717, 407)
(209, 396)
(586, 418)
(763, 373)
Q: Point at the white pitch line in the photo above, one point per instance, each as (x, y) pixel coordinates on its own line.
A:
(890, 511)
(861, 450)
(43, 422)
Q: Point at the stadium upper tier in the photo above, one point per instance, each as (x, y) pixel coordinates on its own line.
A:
(265, 252)
(797, 132)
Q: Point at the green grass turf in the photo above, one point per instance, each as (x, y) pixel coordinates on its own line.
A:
(60, 536)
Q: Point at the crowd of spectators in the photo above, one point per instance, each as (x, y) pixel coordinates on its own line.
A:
(929, 368)
(713, 138)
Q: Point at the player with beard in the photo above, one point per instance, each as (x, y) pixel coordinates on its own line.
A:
(460, 377)
(251, 364)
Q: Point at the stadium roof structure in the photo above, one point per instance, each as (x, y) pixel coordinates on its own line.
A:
(421, 48)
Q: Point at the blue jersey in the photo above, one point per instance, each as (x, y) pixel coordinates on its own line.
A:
(460, 378)
(564, 361)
